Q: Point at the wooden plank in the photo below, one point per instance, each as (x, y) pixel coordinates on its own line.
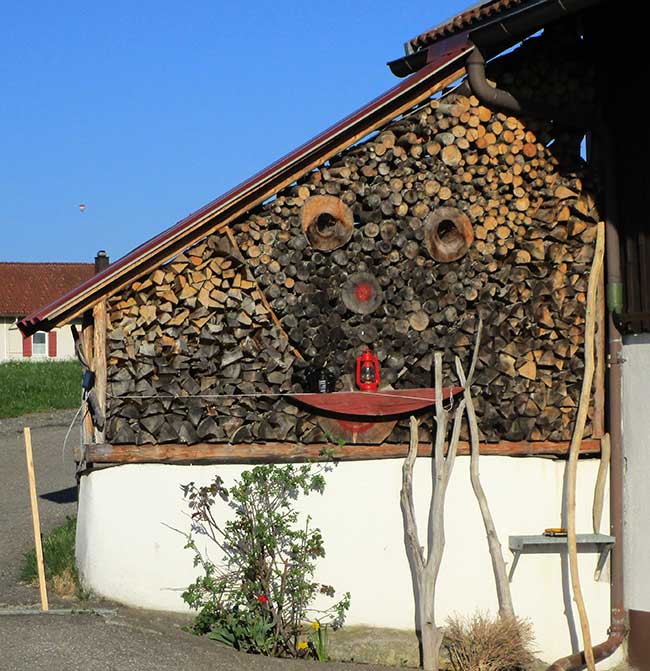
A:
(99, 361)
(35, 517)
(383, 403)
(598, 421)
(87, 341)
(282, 452)
(262, 295)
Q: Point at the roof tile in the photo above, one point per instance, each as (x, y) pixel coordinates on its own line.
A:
(25, 287)
(463, 21)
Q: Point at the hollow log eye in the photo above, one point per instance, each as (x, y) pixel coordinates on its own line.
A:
(327, 222)
(448, 234)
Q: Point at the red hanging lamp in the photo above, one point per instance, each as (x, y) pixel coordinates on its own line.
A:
(367, 371)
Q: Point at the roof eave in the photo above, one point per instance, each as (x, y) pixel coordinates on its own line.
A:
(493, 33)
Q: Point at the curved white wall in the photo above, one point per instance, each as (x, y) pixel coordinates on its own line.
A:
(128, 551)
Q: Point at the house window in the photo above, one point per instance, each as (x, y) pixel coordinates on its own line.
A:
(39, 344)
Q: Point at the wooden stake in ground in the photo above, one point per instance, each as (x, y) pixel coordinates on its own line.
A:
(35, 518)
(574, 450)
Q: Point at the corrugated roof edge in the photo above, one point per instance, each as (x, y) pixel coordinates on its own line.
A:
(254, 190)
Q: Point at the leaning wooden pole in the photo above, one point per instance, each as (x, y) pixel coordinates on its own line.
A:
(35, 518)
(99, 364)
(574, 450)
(504, 596)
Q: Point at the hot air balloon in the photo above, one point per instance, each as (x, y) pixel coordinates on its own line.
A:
(82, 207)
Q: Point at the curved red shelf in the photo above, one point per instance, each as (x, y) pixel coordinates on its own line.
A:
(389, 402)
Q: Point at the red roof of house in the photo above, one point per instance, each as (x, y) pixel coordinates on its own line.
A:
(24, 287)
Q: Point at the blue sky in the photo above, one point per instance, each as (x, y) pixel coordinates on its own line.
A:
(146, 111)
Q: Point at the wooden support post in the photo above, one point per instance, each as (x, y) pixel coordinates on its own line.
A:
(87, 344)
(35, 518)
(99, 361)
(598, 421)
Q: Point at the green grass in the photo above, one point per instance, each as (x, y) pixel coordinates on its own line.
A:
(38, 386)
(59, 560)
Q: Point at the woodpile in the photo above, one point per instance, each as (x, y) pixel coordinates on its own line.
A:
(400, 243)
(524, 268)
(183, 342)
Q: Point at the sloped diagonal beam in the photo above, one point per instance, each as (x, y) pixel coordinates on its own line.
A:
(445, 66)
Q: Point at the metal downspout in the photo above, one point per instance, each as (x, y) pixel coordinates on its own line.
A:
(578, 117)
(481, 88)
(497, 97)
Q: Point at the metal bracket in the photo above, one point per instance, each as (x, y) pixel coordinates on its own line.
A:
(625, 321)
(618, 360)
(540, 544)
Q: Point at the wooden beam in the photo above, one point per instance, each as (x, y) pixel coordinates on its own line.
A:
(598, 420)
(87, 342)
(99, 361)
(282, 452)
(262, 295)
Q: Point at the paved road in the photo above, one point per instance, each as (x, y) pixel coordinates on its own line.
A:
(119, 639)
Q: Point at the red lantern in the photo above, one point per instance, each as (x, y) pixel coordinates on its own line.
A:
(367, 371)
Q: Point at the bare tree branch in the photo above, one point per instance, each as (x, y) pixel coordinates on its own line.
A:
(576, 440)
(504, 596)
(406, 498)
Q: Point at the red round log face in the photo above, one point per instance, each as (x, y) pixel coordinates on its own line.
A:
(362, 293)
(448, 234)
(327, 222)
(357, 432)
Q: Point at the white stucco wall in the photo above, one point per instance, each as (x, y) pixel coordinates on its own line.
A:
(636, 493)
(127, 549)
(11, 343)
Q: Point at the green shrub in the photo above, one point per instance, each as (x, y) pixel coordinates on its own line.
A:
(38, 386)
(260, 599)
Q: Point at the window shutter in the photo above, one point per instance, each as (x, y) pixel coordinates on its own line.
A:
(27, 346)
(51, 344)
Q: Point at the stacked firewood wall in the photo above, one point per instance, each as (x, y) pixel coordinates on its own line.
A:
(183, 342)
(200, 338)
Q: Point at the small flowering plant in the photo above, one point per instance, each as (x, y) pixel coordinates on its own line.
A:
(318, 641)
(262, 594)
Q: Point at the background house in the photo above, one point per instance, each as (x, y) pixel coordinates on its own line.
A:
(24, 287)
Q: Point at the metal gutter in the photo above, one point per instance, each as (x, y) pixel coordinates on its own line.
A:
(493, 32)
(445, 60)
